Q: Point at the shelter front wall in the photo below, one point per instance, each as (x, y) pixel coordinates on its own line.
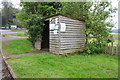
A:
(54, 40)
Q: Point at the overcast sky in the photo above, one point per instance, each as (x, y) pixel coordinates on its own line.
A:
(114, 4)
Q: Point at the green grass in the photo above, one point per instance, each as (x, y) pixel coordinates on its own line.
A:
(77, 66)
(18, 46)
(17, 34)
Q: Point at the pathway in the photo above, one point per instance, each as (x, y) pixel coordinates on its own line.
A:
(8, 32)
(7, 38)
(25, 54)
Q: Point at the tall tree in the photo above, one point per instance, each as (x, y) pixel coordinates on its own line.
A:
(32, 14)
(95, 15)
(76, 9)
(98, 26)
(8, 12)
(0, 18)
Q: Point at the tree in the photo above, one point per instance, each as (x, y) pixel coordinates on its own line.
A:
(97, 26)
(8, 13)
(95, 15)
(32, 14)
(78, 9)
(0, 18)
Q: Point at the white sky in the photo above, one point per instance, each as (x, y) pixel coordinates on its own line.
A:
(115, 19)
(14, 2)
(114, 4)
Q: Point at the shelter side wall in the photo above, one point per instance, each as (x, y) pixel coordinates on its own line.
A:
(73, 38)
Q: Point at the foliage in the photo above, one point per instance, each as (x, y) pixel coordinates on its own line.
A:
(6, 25)
(97, 26)
(78, 9)
(32, 16)
(18, 47)
(8, 13)
(17, 22)
(95, 15)
(47, 65)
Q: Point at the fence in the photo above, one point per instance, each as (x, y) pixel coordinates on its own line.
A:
(112, 50)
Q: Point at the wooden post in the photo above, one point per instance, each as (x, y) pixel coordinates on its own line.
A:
(105, 50)
(108, 49)
(116, 50)
(112, 47)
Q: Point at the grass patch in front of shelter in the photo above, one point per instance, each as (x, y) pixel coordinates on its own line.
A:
(76, 66)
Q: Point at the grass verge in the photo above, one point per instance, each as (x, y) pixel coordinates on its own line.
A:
(18, 46)
(77, 66)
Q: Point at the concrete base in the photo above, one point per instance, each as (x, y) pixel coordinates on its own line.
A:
(38, 45)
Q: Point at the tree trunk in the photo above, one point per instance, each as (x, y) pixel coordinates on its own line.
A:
(86, 40)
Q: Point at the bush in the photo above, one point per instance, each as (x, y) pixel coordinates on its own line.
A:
(97, 46)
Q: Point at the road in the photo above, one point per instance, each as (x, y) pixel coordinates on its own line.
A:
(7, 32)
(6, 38)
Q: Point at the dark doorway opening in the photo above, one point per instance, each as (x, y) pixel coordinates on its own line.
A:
(45, 36)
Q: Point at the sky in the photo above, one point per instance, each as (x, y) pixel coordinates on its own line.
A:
(114, 4)
(115, 19)
(14, 2)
